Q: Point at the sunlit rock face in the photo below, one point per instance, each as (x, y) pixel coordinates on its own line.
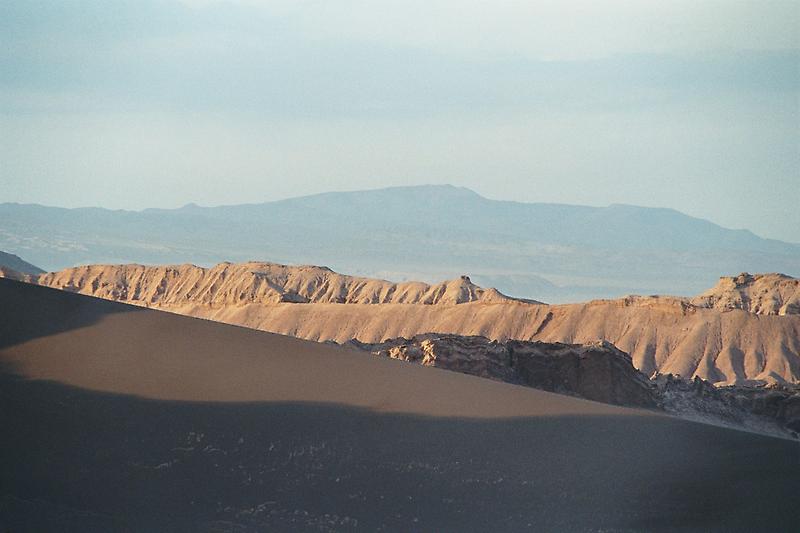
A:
(596, 371)
(762, 294)
(601, 372)
(257, 282)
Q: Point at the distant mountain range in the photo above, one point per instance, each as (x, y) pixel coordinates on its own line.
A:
(17, 264)
(549, 252)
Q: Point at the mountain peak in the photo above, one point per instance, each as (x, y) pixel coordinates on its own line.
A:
(440, 190)
(15, 263)
(431, 187)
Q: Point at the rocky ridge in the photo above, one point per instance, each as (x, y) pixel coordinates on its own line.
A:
(256, 282)
(761, 294)
(603, 373)
(597, 371)
(772, 409)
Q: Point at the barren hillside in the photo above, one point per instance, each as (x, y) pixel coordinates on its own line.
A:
(255, 282)
(746, 334)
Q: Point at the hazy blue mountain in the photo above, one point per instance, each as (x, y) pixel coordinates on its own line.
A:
(15, 263)
(544, 251)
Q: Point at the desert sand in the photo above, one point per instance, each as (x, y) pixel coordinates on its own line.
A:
(119, 418)
(746, 330)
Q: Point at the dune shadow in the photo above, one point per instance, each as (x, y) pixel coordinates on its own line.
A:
(31, 311)
(73, 459)
(78, 460)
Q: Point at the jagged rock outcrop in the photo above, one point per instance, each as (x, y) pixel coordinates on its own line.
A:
(597, 371)
(760, 409)
(603, 373)
(467, 354)
(229, 284)
(762, 294)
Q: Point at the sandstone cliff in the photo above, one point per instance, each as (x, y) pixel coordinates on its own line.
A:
(597, 371)
(762, 294)
(262, 283)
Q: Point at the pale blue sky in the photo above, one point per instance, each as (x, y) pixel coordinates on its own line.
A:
(132, 104)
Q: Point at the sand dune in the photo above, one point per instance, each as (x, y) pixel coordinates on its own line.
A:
(732, 334)
(118, 418)
(180, 358)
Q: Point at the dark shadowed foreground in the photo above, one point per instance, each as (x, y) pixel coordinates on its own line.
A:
(121, 419)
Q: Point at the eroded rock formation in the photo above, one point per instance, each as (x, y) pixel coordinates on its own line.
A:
(597, 371)
(229, 284)
(762, 294)
(603, 373)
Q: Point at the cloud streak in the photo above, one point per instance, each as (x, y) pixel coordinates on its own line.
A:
(682, 104)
